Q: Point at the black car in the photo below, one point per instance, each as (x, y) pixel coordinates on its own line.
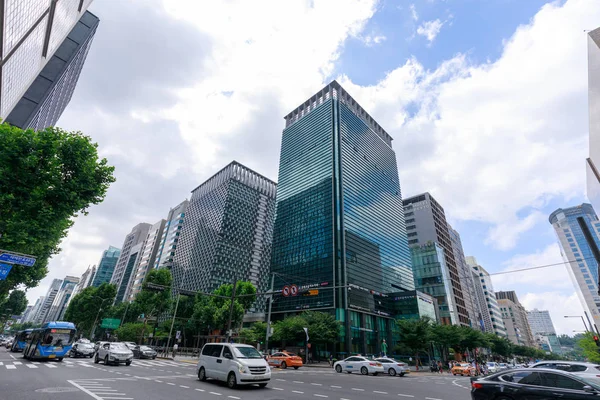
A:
(82, 350)
(144, 352)
(533, 384)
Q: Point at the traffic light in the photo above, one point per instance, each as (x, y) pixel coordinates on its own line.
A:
(597, 340)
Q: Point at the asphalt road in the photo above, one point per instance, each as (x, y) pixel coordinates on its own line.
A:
(81, 379)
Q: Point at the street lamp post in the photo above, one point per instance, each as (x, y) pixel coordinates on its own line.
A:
(97, 315)
(582, 320)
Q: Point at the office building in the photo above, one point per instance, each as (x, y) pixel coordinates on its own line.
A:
(106, 266)
(593, 161)
(576, 228)
(146, 260)
(227, 233)
(48, 96)
(126, 264)
(426, 222)
(413, 304)
(540, 322)
(340, 222)
(85, 280)
(170, 235)
(63, 296)
(32, 316)
(465, 277)
(33, 32)
(515, 320)
(432, 277)
(486, 297)
(42, 313)
(25, 315)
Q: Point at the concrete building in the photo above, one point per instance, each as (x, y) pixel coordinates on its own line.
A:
(593, 161)
(432, 277)
(42, 51)
(488, 304)
(465, 276)
(227, 233)
(85, 280)
(147, 259)
(340, 221)
(515, 320)
(540, 322)
(127, 262)
(41, 315)
(25, 315)
(576, 229)
(426, 222)
(170, 235)
(63, 296)
(31, 317)
(106, 266)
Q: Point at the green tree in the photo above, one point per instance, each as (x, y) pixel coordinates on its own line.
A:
(499, 345)
(16, 303)
(290, 330)
(132, 332)
(255, 334)
(46, 179)
(90, 304)
(322, 327)
(415, 334)
(151, 302)
(589, 348)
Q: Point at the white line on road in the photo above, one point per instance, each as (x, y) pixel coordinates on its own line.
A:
(319, 395)
(233, 397)
(51, 366)
(377, 391)
(169, 383)
(158, 381)
(297, 381)
(11, 366)
(186, 387)
(317, 384)
(31, 366)
(200, 390)
(282, 380)
(277, 389)
(216, 394)
(112, 394)
(432, 398)
(1, 363)
(18, 363)
(337, 387)
(405, 395)
(84, 390)
(118, 398)
(11, 356)
(359, 390)
(297, 391)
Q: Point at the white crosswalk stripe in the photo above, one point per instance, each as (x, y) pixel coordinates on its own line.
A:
(10, 366)
(31, 366)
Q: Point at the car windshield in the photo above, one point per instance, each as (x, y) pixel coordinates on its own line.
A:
(58, 337)
(593, 382)
(145, 348)
(85, 346)
(246, 352)
(491, 364)
(502, 364)
(465, 365)
(118, 346)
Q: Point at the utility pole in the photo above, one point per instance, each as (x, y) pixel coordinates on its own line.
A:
(231, 310)
(268, 334)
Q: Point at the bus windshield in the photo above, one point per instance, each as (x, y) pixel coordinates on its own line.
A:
(58, 337)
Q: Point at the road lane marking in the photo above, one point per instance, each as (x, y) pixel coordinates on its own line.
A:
(200, 390)
(11, 356)
(84, 390)
(169, 383)
(319, 395)
(31, 366)
(11, 366)
(186, 387)
(278, 379)
(1, 363)
(117, 398)
(337, 387)
(297, 391)
(277, 388)
(112, 394)
(357, 389)
(215, 393)
(297, 381)
(233, 397)
(432, 398)
(377, 391)
(405, 395)
(51, 366)
(18, 363)
(158, 381)
(317, 384)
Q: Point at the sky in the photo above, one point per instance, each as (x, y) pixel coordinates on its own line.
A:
(486, 102)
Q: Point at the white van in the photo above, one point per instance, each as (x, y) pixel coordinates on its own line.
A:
(236, 364)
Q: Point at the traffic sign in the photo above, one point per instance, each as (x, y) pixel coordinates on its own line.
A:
(178, 335)
(286, 291)
(294, 290)
(110, 323)
(4, 270)
(17, 259)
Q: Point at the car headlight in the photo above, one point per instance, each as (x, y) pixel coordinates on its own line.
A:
(243, 369)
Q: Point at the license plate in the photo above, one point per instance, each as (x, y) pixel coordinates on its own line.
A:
(52, 356)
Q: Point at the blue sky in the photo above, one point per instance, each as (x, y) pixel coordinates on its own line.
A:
(486, 102)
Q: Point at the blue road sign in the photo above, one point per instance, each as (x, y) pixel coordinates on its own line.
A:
(4, 270)
(16, 259)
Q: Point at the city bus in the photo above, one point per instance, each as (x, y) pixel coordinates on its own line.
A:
(53, 340)
(20, 341)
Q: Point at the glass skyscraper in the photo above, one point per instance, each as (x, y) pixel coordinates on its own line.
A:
(572, 225)
(340, 222)
(106, 266)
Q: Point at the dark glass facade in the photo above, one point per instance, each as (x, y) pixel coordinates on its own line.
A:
(340, 220)
(44, 102)
(106, 266)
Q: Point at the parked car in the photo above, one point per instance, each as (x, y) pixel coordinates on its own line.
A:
(284, 359)
(583, 369)
(144, 352)
(533, 383)
(503, 366)
(463, 369)
(114, 353)
(393, 367)
(82, 350)
(236, 364)
(358, 364)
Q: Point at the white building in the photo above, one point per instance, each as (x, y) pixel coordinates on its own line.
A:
(170, 235)
(32, 32)
(540, 322)
(35, 309)
(63, 296)
(126, 264)
(146, 260)
(44, 309)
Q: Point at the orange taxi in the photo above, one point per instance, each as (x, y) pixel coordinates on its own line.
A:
(284, 359)
(463, 369)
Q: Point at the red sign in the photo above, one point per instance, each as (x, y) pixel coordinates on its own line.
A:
(294, 290)
(286, 291)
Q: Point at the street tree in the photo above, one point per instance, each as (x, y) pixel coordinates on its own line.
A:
(415, 334)
(16, 302)
(91, 304)
(152, 302)
(47, 178)
(290, 330)
(131, 332)
(255, 334)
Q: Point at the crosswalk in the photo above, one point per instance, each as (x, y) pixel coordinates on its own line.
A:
(86, 363)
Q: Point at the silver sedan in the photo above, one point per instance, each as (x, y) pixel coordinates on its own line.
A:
(393, 367)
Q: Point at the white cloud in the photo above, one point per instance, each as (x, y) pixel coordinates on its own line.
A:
(505, 234)
(413, 13)
(430, 29)
(559, 305)
(372, 40)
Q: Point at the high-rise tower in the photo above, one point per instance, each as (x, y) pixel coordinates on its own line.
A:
(106, 266)
(340, 222)
(593, 161)
(127, 262)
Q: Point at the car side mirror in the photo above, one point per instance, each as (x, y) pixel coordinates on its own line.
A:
(589, 389)
(228, 356)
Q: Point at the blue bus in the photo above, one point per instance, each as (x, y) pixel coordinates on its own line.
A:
(20, 341)
(53, 340)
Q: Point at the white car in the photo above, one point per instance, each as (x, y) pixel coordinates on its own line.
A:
(114, 353)
(359, 364)
(579, 368)
(393, 367)
(236, 364)
(492, 367)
